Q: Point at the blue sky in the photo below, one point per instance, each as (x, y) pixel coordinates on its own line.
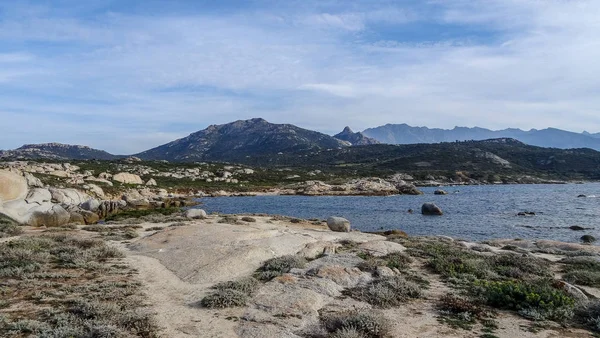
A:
(126, 76)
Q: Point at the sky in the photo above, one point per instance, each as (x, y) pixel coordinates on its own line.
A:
(125, 76)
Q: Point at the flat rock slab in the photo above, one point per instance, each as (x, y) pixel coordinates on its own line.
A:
(210, 252)
(381, 248)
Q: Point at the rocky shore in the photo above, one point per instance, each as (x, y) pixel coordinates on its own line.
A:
(273, 276)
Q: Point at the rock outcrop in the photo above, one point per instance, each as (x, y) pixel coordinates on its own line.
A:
(12, 186)
(127, 178)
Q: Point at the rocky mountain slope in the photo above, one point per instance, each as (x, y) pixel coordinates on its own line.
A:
(56, 151)
(356, 139)
(241, 139)
(550, 137)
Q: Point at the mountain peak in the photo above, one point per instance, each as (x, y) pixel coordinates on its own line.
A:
(355, 139)
(347, 130)
(240, 139)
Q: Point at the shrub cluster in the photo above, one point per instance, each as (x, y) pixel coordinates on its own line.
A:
(278, 266)
(538, 299)
(386, 292)
(363, 324)
(231, 293)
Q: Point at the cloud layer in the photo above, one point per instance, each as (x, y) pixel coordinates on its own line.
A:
(129, 77)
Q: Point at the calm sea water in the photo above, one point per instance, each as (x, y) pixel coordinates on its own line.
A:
(470, 212)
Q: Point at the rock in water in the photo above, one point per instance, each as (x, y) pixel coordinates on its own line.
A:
(195, 213)
(431, 209)
(440, 192)
(338, 224)
(587, 239)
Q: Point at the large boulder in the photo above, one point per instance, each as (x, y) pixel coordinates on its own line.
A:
(195, 213)
(12, 186)
(128, 178)
(151, 182)
(431, 209)
(68, 196)
(39, 196)
(338, 224)
(91, 205)
(55, 216)
(440, 192)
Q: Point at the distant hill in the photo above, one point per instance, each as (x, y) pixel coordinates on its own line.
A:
(240, 139)
(56, 151)
(503, 156)
(356, 139)
(550, 137)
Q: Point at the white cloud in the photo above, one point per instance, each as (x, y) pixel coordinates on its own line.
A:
(126, 82)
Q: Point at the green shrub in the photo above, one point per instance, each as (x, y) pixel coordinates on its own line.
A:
(366, 322)
(248, 219)
(278, 266)
(246, 285)
(540, 296)
(141, 213)
(386, 292)
(224, 299)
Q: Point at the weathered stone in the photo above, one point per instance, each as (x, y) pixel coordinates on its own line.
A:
(54, 217)
(195, 213)
(91, 205)
(440, 192)
(151, 182)
(12, 186)
(127, 178)
(381, 248)
(38, 195)
(431, 209)
(338, 224)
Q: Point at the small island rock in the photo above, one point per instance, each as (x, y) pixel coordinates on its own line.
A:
(431, 209)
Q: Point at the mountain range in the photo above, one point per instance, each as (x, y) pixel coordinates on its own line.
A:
(549, 138)
(257, 139)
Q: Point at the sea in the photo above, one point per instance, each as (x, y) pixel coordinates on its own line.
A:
(473, 213)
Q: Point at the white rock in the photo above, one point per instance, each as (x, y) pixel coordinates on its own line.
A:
(195, 213)
(151, 182)
(338, 224)
(12, 186)
(128, 178)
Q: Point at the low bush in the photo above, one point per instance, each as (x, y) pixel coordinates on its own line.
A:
(278, 266)
(540, 296)
(365, 323)
(589, 315)
(459, 312)
(246, 285)
(248, 219)
(229, 219)
(224, 299)
(583, 277)
(386, 292)
(141, 213)
(396, 260)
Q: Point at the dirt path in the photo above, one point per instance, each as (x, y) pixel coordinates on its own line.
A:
(172, 300)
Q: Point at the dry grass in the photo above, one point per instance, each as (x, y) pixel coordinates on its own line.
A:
(61, 286)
